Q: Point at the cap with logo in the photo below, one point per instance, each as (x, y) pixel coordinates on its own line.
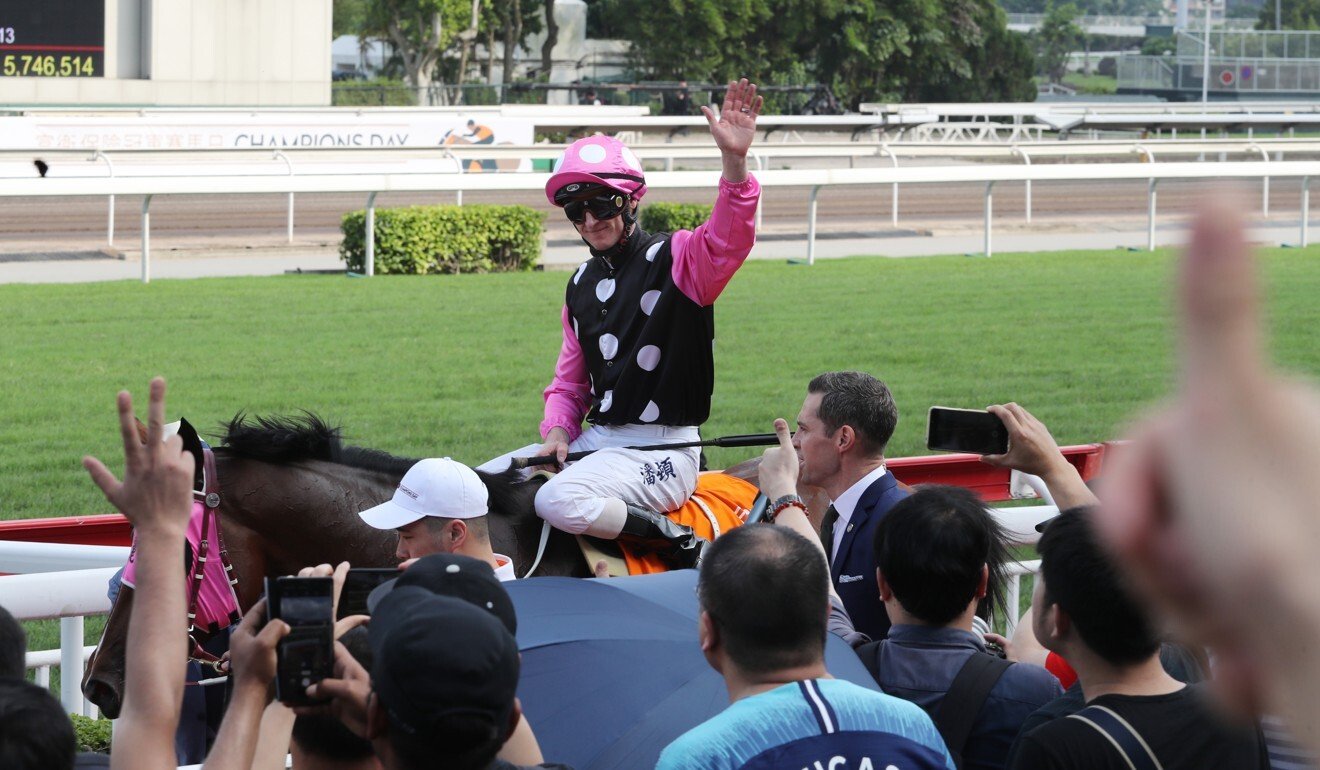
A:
(435, 658)
(433, 487)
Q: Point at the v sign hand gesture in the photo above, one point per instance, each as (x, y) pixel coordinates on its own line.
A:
(735, 127)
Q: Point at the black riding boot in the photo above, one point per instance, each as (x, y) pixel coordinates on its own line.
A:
(658, 533)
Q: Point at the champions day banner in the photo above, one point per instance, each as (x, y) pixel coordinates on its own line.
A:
(247, 131)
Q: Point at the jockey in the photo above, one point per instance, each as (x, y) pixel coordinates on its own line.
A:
(638, 333)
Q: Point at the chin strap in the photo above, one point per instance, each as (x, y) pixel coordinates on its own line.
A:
(625, 241)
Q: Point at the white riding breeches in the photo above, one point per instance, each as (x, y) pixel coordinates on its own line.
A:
(659, 480)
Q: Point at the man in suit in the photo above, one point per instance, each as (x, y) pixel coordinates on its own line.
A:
(842, 430)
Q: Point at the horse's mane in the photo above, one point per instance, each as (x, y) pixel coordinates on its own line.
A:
(283, 439)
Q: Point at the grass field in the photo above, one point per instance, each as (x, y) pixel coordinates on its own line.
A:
(454, 365)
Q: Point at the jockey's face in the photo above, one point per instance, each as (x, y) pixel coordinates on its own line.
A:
(818, 455)
(602, 234)
(421, 538)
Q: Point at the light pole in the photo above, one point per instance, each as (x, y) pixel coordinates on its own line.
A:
(1205, 60)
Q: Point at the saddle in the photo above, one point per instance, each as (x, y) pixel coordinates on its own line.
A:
(720, 503)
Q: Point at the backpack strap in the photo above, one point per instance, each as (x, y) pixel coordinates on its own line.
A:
(1121, 735)
(869, 653)
(966, 697)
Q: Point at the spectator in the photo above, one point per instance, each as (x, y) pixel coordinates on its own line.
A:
(590, 98)
(1213, 506)
(13, 647)
(442, 688)
(1136, 713)
(763, 593)
(321, 742)
(678, 101)
(940, 554)
(842, 430)
(35, 733)
(441, 506)
(156, 497)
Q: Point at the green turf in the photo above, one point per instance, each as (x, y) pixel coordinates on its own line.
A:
(454, 365)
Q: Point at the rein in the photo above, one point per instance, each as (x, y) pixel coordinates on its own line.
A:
(210, 499)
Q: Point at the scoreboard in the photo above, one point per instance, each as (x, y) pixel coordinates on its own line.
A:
(52, 38)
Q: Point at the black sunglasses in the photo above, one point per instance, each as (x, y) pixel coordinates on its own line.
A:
(607, 206)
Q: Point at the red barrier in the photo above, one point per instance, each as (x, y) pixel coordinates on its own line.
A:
(957, 469)
(964, 470)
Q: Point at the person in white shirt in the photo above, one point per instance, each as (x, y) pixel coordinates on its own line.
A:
(440, 507)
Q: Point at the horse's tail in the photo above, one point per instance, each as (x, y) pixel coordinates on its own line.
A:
(281, 439)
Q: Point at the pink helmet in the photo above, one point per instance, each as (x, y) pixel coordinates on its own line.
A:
(601, 160)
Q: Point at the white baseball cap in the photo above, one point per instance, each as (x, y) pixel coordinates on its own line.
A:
(437, 486)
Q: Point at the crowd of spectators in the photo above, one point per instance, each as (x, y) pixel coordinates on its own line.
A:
(1169, 585)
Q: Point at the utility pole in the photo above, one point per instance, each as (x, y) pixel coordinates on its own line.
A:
(1205, 60)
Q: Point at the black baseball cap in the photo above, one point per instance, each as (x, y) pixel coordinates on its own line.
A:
(457, 576)
(437, 657)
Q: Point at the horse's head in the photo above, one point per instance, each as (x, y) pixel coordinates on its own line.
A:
(103, 683)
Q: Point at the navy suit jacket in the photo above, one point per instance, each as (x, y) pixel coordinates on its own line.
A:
(853, 568)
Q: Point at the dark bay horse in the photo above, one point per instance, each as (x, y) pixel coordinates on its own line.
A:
(290, 492)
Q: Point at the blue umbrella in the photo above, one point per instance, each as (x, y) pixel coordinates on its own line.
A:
(612, 671)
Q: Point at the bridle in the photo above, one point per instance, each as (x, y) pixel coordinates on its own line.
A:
(209, 497)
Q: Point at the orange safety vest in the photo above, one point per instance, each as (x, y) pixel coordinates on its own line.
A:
(728, 499)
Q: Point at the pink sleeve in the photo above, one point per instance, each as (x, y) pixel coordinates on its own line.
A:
(706, 258)
(568, 396)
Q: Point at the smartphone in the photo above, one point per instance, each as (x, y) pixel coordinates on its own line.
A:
(965, 430)
(306, 655)
(357, 587)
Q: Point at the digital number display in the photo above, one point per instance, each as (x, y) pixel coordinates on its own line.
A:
(52, 38)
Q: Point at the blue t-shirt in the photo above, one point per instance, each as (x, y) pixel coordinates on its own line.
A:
(828, 723)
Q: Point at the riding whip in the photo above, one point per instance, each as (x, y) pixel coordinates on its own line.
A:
(745, 440)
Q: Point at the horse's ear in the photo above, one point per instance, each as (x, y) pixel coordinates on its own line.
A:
(142, 430)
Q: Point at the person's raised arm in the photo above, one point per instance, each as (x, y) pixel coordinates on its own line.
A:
(1031, 449)
(1214, 508)
(156, 497)
(705, 259)
(252, 663)
(778, 474)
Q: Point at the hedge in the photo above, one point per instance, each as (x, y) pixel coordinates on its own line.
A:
(669, 217)
(416, 240)
(92, 734)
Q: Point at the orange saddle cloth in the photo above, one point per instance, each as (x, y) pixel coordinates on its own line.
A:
(720, 503)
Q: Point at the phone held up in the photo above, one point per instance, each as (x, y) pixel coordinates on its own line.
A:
(306, 655)
(358, 585)
(965, 430)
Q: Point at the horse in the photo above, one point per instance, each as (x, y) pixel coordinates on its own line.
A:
(290, 491)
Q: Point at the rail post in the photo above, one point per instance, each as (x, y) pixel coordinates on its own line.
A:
(370, 267)
(146, 239)
(1306, 209)
(71, 664)
(1151, 184)
(288, 164)
(760, 166)
(811, 226)
(989, 211)
(1265, 183)
(458, 167)
(893, 204)
(110, 217)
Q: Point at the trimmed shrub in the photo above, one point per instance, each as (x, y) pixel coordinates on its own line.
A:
(93, 734)
(416, 240)
(372, 93)
(669, 217)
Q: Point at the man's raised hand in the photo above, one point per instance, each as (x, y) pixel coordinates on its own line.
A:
(778, 472)
(735, 126)
(156, 493)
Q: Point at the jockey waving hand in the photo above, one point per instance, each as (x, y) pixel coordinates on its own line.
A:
(639, 328)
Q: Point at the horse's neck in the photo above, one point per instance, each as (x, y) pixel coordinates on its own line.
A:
(303, 514)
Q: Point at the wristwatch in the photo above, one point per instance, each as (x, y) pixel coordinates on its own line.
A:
(780, 503)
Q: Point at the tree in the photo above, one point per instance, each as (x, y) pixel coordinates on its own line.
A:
(1057, 37)
(421, 31)
(1296, 14)
(551, 39)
